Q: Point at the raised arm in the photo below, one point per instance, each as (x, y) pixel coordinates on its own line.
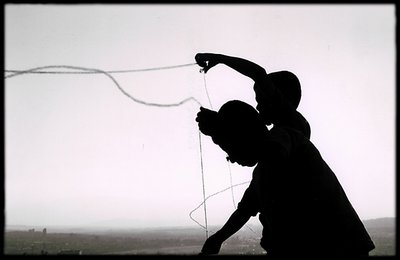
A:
(245, 67)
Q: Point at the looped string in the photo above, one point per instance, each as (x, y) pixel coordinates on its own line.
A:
(202, 173)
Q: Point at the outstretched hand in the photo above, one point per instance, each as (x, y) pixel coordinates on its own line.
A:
(206, 60)
(207, 120)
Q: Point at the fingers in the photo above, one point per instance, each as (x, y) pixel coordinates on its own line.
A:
(200, 59)
(204, 114)
(206, 61)
(199, 114)
(203, 60)
(207, 122)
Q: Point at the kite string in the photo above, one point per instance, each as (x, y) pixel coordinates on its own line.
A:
(34, 70)
(229, 168)
(204, 186)
(201, 156)
(231, 183)
(205, 87)
(92, 72)
(212, 195)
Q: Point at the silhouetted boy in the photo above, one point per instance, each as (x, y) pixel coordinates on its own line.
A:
(302, 206)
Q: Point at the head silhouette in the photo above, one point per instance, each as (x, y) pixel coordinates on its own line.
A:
(288, 84)
(239, 129)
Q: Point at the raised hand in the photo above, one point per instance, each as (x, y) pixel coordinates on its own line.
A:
(206, 60)
(206, 119)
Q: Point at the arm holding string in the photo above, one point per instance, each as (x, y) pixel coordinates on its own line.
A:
(266, 91)
(243, 66)
(268, 96)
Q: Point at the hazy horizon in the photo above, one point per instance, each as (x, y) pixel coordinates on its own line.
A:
(99, 227)
(78, 151)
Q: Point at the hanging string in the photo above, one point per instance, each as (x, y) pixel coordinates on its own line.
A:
(204, 187)
(230, 180)
(216, 193)
(205, 86)
(201, 158)
(229, 168)
(210, 196)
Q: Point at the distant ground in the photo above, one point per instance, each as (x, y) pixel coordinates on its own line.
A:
(168, 241)
(383, 233)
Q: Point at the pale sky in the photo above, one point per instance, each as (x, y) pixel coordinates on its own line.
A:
(78, 152)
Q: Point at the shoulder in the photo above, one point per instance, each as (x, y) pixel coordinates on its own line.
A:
(278, 133)
(295, 120)
(302, 124)
(283, 133)
(287, 138)
(278, 143)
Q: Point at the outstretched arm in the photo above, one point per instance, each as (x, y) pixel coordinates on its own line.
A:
(234, 223)
(245, 67)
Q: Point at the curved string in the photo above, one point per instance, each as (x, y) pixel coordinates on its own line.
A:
(212, 195)
(95, 72)
(33, 70)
